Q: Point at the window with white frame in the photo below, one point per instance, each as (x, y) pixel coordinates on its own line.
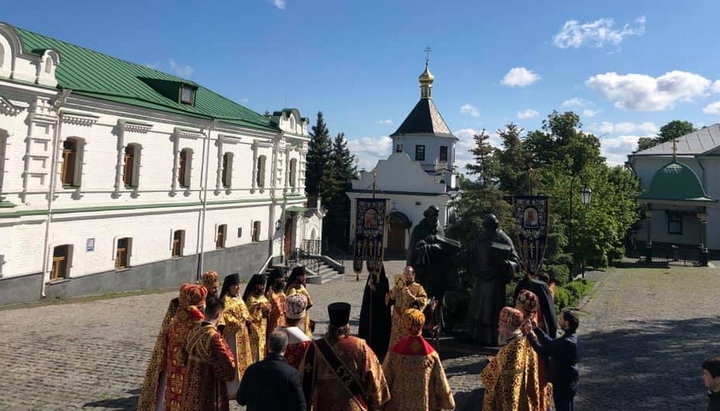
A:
(178, 243)
(71, 169)
(260, 180)
(123, 248)
(293, 172)
(131, 165)
(227, 164)
(185, 167)
(61, 262)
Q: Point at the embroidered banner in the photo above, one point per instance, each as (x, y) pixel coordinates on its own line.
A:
(531, 213)
(369, 234)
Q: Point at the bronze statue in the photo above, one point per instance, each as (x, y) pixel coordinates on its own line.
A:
(432, 255)
(492, 261)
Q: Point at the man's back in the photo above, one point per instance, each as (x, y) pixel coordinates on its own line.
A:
(271, 384)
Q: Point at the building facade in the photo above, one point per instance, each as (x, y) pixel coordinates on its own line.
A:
(419, 173)
(680, 182)
(118, 177)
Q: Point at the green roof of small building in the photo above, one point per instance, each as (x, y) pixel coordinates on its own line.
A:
(676, 181)
(94, 74)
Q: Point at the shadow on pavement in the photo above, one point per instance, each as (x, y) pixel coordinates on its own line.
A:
(646, 365)
(125, 403)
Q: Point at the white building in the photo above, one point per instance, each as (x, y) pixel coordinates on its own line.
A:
(419, 173)
(116, 177)
(681, 188)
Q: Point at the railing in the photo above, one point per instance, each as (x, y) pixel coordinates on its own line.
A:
(266, 265)
(313, 247)
(336, 253)
(309, 260)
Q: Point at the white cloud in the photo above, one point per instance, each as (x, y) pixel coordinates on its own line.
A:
(245, 100)
(520, 77)
(182, 70)
(279, 4)
(596, 33)
(386, 121)
(574, 102)
(590, 113)
(713, 108)
(368, 150)
(154, 66)
(716, 87)
(616, 149)
(644, 93)
(625, 127)
(469, 109)
(527, 113)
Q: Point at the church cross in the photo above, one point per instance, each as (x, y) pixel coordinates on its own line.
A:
(427, 51)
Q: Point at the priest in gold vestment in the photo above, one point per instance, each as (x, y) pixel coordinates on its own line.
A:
(510, 384)
(276, 295)
(234, 323)
(340, 372)
(259, 307)
(406, 293)
(210, 364)
(414, 372)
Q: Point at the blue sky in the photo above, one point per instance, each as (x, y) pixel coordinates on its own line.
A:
(627, 67)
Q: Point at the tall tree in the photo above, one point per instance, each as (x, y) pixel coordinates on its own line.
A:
(336, 181)
(514, 163)
(670, 131)
(319, 150)
(485, 165)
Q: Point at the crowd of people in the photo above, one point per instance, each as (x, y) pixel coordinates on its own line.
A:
(256, 348)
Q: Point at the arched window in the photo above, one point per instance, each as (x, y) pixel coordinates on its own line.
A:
(292, 123)
(185, 167)
(227, 170)
(261, 171)
(48, 65)
(71, 162)
(131, 166)
(293, 172)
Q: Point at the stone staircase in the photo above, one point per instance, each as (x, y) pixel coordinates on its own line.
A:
(325, 273)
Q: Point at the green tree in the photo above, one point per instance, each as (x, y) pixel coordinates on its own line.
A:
(336, 181)
(514, 163)
(485, 165)
(670, 131)
(319, 150)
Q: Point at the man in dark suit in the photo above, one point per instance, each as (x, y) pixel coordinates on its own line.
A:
(563, 357)
(272, 384)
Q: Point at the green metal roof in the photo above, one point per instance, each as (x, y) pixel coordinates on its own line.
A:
(90, 73)
(676, 181)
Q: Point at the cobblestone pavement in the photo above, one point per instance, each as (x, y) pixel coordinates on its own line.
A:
(643, 335)
(93, 354)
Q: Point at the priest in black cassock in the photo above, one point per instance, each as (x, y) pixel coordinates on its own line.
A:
(375, 320)
(547, 303)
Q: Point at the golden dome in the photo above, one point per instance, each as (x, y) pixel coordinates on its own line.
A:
(426, 76)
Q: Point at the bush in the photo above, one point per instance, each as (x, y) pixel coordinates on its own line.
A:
(572, 293)
(559, 273)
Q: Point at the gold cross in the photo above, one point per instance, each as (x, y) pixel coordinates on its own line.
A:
(427, 51)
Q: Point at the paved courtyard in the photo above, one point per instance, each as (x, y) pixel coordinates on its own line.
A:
(643, 336)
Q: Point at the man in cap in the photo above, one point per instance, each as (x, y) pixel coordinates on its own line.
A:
(298, 341)
(341, 372)
(210, 281)
(506, 387)
(414, 372)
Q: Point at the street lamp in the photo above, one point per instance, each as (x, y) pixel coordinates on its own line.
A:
(586, 194)
(585, 197)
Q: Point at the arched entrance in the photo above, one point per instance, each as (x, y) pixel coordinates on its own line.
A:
(398, 224)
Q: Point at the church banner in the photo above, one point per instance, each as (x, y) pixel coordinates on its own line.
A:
(369, 233)
(531, 213)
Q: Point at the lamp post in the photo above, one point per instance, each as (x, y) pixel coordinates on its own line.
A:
(585, 197)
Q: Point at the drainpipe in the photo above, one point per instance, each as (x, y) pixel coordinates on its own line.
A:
(273, 201)
(203, 196)
(59, 102)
